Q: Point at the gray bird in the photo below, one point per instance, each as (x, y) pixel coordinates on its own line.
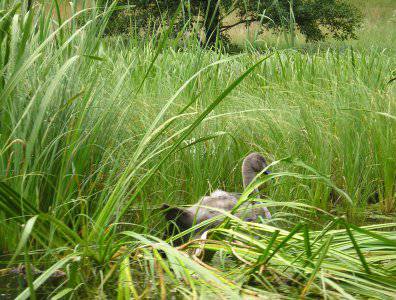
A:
(184, 218)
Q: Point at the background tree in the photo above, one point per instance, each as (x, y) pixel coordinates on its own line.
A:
(316, 19)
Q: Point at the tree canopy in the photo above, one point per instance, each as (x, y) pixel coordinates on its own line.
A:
(315, 19)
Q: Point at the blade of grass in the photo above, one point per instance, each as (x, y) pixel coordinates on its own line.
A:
(357, 248)
(284, 241)
(27, 230)
(317, 266)
(46, 275)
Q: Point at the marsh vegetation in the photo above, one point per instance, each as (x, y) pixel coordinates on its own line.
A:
(97, 132)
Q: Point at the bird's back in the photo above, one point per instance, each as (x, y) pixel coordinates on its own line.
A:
(218, 200)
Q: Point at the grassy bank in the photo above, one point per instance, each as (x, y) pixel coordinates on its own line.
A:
(97, 133)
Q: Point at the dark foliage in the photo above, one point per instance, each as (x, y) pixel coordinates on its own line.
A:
(316, 19)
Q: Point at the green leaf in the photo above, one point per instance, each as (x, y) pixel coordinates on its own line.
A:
(27, 230)
(317, 266)
(357, 248)
(62, 293)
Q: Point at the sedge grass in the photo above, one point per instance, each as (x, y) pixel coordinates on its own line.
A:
(96, 133)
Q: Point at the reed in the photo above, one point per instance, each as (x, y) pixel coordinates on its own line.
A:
(96, 133)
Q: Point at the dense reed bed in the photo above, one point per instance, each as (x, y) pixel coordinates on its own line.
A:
(97, 132)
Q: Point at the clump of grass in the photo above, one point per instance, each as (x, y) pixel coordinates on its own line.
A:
(96, 133)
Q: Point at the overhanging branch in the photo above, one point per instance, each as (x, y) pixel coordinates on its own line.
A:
(227, 27)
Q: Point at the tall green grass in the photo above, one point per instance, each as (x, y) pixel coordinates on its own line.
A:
(96, 133)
